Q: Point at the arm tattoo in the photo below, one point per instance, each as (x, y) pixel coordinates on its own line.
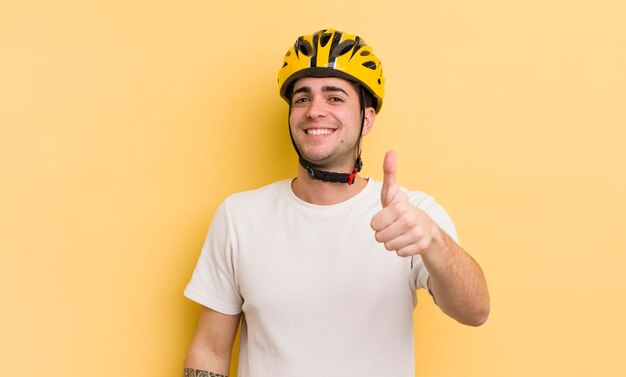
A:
(189, 372)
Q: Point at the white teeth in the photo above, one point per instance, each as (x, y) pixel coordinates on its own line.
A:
(319, 131)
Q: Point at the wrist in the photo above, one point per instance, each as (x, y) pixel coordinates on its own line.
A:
(439, 244)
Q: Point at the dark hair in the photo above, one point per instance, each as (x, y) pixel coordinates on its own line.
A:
(367, 97)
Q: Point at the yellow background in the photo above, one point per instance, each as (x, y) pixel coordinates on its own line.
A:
(123, 124)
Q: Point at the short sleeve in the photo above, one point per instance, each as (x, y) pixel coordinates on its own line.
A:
(213, 282)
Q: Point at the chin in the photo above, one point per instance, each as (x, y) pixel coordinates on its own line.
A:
(320, 159)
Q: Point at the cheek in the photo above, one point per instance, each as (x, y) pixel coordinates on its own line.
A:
(293, 118)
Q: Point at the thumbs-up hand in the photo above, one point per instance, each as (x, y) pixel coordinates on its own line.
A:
(400, 226)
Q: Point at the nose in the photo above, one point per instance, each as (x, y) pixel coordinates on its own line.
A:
(316, 108)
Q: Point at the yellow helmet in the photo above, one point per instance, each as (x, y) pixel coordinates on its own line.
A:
(331, 52)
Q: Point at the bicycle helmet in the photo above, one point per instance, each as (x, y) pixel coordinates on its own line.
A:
(330, 52)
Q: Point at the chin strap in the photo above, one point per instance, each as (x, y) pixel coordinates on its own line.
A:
(327, 176)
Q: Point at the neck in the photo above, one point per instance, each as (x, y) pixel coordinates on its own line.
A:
(324, 193)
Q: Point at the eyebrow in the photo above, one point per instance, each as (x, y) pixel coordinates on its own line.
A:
(328, 88)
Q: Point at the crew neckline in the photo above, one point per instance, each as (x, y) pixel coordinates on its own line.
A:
(331, 208)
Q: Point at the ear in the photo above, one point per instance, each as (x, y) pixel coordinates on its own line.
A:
(370, 116)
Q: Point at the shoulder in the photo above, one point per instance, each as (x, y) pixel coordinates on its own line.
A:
(257, 198)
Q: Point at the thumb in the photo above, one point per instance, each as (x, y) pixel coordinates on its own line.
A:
(390, 184)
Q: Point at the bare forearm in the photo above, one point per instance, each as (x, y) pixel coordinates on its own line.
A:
(210, 350)
(205, 363)
(457, 283)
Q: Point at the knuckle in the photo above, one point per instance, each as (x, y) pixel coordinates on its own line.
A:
(410, 222)
(418, 232)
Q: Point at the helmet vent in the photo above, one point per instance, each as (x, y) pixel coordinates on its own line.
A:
(365, 53)
(325, 38)
(304, 47)
(342, 48)
(371, 65)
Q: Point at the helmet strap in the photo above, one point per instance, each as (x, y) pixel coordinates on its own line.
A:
(328, 176)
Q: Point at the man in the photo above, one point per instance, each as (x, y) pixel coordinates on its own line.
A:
(307, 261)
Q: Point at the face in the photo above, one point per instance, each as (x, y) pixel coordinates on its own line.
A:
(325, 121)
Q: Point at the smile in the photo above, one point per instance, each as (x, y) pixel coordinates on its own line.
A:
(319, 131)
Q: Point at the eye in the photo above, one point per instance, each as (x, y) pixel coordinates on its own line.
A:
(300, 100)
(336, 99)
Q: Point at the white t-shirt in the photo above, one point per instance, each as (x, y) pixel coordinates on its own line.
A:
(320, 296)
